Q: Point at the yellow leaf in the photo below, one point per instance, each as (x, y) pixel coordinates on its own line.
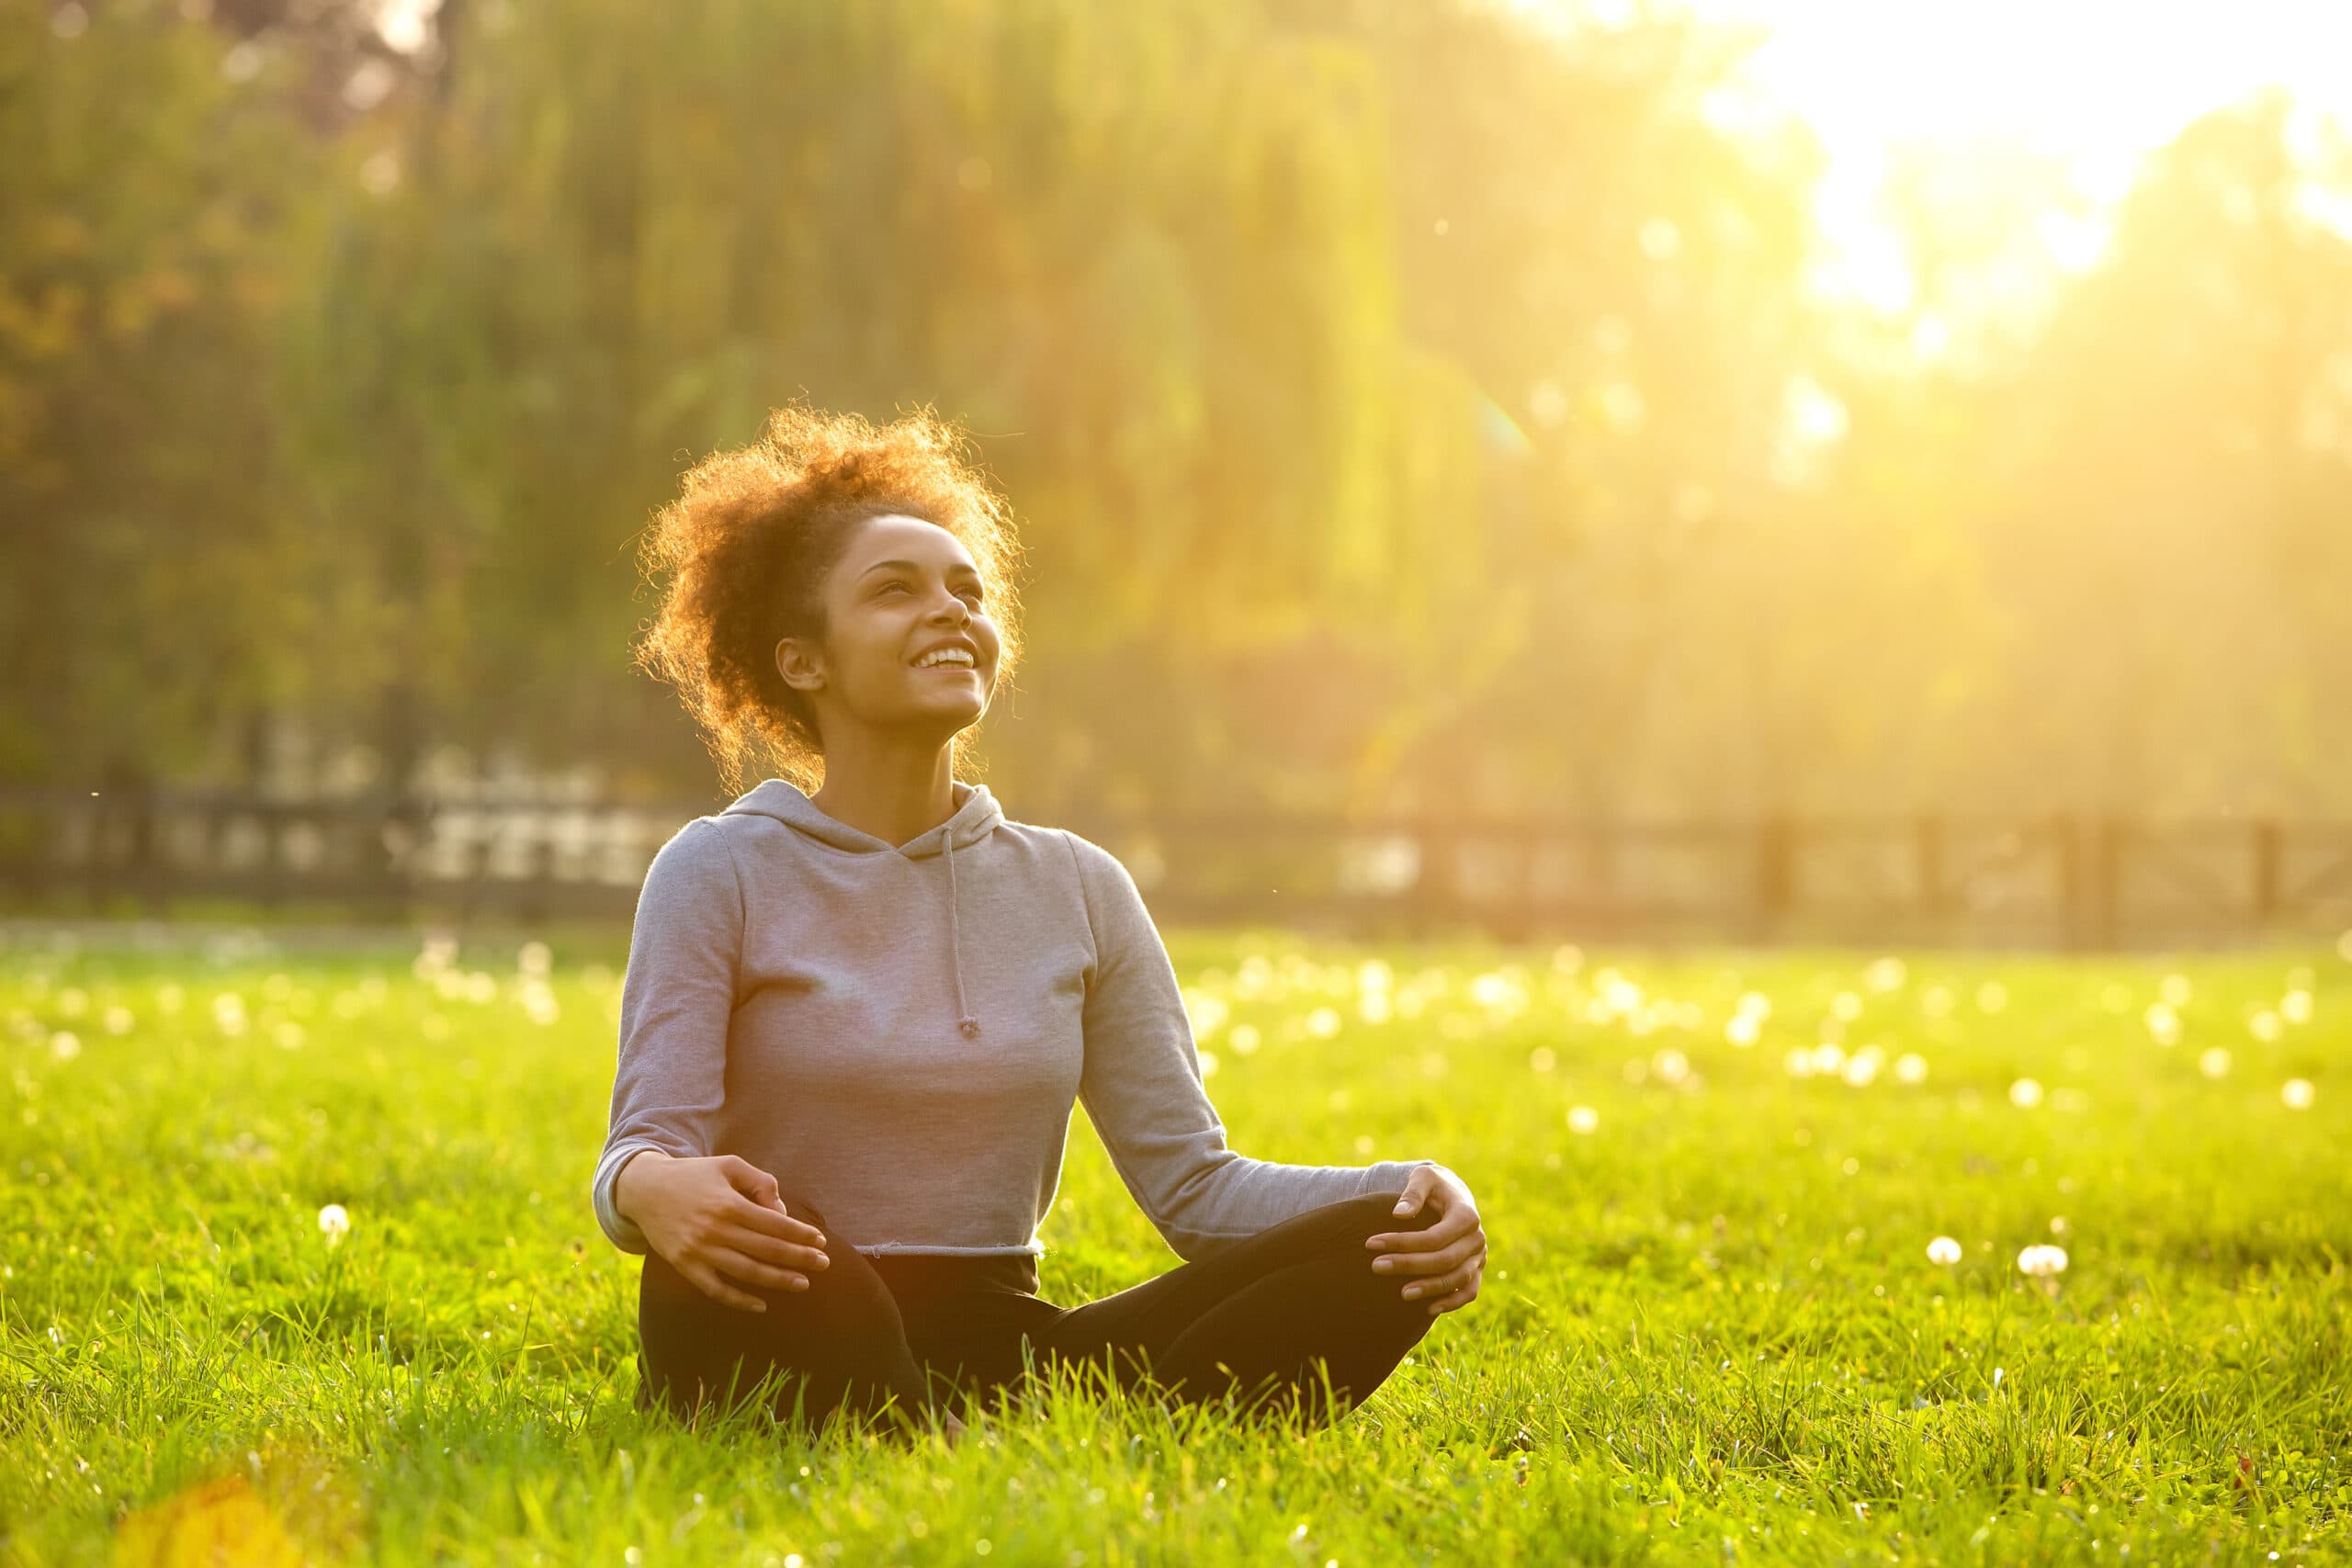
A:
(219, 1524)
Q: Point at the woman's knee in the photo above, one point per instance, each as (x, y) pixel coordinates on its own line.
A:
(1355, 1220)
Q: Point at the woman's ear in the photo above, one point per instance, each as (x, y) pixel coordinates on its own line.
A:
(793, 662)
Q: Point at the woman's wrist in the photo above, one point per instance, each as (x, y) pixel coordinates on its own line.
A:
(641, 1166)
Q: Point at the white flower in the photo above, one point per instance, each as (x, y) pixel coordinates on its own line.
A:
(1583, 1118)
(2026, 1093)
(2297, 1094)
(1944, 1252)
(334, 1222)
(2042, 1261)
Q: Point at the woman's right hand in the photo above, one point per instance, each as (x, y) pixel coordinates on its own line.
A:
(720, 1221)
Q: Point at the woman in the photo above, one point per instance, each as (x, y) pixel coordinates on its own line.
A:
(853, 1022)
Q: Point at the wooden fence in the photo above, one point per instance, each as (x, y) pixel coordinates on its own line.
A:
(2053, 882)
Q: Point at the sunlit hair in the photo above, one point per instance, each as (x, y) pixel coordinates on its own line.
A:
(741, 556)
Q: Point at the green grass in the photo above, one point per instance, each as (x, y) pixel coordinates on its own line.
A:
(1710, 1330)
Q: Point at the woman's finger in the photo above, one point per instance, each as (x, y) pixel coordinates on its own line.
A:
(785, 1227)
(1461, 1274)
(763, 1245)
(1445, 1228)
(747, 1270)
(1445, 1258)
(1463, 1294)
(707, 1281)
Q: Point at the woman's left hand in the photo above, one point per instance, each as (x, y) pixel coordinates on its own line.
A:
(1445, 1259)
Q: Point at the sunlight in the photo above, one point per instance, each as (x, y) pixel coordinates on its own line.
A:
(2093, 85)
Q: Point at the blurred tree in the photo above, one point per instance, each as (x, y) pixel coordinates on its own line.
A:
(147, 557)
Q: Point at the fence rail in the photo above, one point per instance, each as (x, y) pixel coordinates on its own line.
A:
(2073, 882)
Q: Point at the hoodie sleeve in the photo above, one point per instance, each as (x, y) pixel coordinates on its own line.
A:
(1142, 1089)
(677, 998)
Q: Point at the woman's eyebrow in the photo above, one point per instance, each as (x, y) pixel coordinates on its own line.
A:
(912, 565)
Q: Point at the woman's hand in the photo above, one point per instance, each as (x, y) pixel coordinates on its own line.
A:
(720, 1221)
(1450, 1255)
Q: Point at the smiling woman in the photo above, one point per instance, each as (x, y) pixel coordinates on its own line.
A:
(750, 550)
(857, 1016)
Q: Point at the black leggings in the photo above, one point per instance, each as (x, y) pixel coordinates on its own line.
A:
(1267, 1320)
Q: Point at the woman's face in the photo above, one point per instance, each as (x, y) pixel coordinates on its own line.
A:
(903, 588)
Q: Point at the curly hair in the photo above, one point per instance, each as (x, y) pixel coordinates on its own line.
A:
(746, 547)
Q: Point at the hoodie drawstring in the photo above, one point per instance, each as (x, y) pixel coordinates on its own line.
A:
(966, 1022)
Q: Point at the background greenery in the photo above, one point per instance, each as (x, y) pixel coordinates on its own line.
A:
(1399, 400)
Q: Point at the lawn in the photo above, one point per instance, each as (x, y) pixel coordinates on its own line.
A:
(1710, 1329)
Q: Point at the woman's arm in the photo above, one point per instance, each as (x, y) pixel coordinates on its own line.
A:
(1142, 1089)
(676, 1000)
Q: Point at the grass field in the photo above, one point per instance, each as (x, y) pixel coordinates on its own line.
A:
(1710, 1329)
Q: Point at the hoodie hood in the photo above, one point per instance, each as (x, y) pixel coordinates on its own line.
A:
(977, 814)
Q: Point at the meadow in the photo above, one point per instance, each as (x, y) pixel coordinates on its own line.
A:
(296, 1246)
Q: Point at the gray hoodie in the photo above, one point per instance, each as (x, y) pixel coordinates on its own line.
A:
(898, 1032)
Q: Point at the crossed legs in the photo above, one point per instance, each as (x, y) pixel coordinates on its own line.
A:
(1268, 1320)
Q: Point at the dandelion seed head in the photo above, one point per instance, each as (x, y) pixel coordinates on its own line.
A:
(2042, 1261)
(1911, 1068)
(2214, 1062)
(1583, 1118)
(2297, 1094)
(1944, 1252)
(2026, 1093)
